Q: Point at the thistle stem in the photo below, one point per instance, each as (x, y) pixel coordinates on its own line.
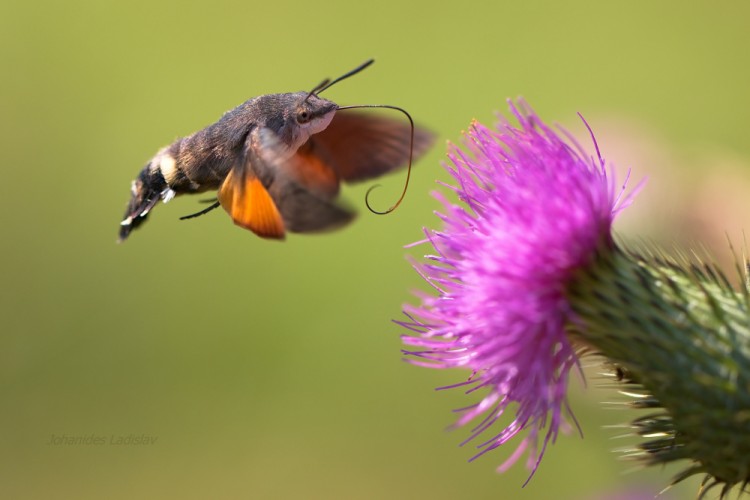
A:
(682, 333)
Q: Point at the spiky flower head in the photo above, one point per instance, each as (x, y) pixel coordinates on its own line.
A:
(528, 276)
(534, 208)
(680, 334)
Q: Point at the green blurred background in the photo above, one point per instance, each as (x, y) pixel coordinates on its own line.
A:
(270, 370)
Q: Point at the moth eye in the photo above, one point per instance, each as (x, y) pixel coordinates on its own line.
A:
(303, 117)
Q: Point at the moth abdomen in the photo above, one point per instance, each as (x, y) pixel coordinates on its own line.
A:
(201, 161)
(145, 191)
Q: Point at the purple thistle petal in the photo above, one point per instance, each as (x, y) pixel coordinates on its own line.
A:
(534, 209)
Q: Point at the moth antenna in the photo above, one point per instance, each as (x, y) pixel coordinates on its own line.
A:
(411, 155)
(202, 212)
(347, 75)
(327, 83)
(317, 88)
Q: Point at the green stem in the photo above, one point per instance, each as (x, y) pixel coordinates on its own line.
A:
(682, 333)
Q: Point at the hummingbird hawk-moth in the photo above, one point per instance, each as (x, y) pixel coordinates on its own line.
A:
(277, 161)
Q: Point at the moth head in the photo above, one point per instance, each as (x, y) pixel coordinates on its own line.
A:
(312, 113)
(293, 118)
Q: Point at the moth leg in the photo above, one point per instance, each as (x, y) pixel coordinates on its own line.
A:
(216, 204)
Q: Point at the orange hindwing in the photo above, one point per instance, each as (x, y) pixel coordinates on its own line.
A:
(250, 205)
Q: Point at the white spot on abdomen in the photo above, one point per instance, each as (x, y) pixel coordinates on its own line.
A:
(167, 195)
(168, 167)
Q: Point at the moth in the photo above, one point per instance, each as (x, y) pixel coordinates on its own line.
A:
(277, 162)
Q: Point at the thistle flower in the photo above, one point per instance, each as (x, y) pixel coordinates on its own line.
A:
(528, 277)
